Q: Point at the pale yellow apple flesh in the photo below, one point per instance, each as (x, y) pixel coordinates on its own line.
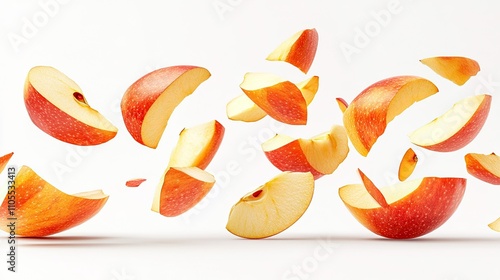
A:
(495, 225)
(407, 164)
(484, 167)
(273, 207)
(454, 68)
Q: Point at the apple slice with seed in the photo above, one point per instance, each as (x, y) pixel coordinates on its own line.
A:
(407, 164)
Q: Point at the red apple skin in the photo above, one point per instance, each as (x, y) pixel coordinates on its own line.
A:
(145, 92)
(4, 160)
(468, 132)
(296, 160)
(308, 40)
(49, 119)
(476, 169)
(422, 211)
(134, 183)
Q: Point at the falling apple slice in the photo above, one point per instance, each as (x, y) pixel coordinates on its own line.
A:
(319, 155)
(280, 99)
(180, 189)
(197, 145)
(150, 101)
(456, 128)
(273, 207)
(342, 104)
(407, 165)
(484, 167)
(373, 190)
(242, 108)
(415, 207)
(41, 209)
(134, 183)
(56, 105)
(4, 160)
(495, 225)
(369, 113)
(298, 50)
(454, 68)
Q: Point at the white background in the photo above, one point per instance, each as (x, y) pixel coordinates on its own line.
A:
(106, 45)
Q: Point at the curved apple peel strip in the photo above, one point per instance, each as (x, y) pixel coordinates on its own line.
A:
(373, 190)
(4, 160)
(407, 165)
(342, 104)
(133, 183)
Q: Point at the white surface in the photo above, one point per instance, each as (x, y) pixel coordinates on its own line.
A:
(105, 46)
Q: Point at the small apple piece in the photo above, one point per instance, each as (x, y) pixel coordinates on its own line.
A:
(415, 207)
(456, 128)
(298, 50)
(41, 209)
(495, 225)
(280, 99)
(407, 165)
(273, 207)
(150, 101)
(484, 167)
(180, 189)
(370, 112)
(242, 108)
(319, 155)
(197, 145)
(57, 106)
(4, 160)
(374, 192)
(342, 104)
(134, 183)
(454, 68)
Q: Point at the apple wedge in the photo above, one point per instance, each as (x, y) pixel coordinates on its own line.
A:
(454, 68)
(280, 99)
(4, 160)
(41, 209)
(372, 190)
(407, 165)
(57, 106)
(495, 225)
(342, 104)
(134, 183)
(484, 167)
(150, 101)
(242, 108)
(273, 207)
(197, 145)
(180, 189)
(456, 128)
(298, 50)
(414, 208)
(370, 112)
(319, 155)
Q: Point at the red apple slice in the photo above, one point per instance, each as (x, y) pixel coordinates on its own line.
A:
(484, 167)
(369, 113)
(242, 108)
(197, 145)
(273, 207)
(56, 105)
(456, 128)
(415, 207)
(280, 99)
(407, 165)
(298, 50)
(374, 192)
(41, 209)
(454, 68)
(342, 104)
(495, 225)
(4, 160)
(180, 189)
(319, 155)
(150, 101)
(134, 183)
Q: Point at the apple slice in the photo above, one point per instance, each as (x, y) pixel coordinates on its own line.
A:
(456, 128)
(415, 207)
(4, 160)
(371, 111)
(454, 68)
(407, 164)
(41, 209)
(197, 145)
(342, 104)
(484, 167)
(56, 105)
(298, 50)
(244, 109)
(180, 189)
(280, 99)
(374, 192)
(495, 225)
(319, 155)
(273, 207)
(149, 102)
(134, 183)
